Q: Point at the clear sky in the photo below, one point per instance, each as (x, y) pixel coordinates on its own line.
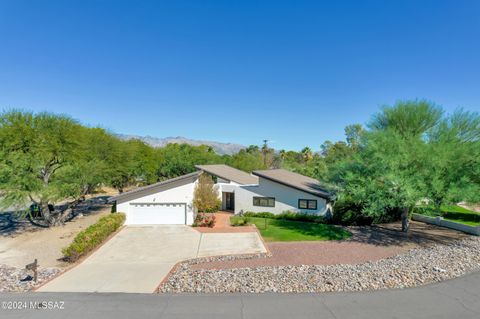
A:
(295, 72)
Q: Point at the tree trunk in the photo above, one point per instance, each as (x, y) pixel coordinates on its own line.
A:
(405, 220)
(46, 214)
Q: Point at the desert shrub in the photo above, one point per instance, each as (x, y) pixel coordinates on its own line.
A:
(239, 221)
(206, 197)
(427, 211)
(94, 235)
(204, 220)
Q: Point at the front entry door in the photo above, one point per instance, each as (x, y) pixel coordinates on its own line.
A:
(229, 201)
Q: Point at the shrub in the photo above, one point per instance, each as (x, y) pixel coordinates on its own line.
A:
(239, 221)
(427, 211)
(346, 212)
(260, 215)
(205, 197)
(204, 220)
(301, 217)
(288, 215)
(94, 235)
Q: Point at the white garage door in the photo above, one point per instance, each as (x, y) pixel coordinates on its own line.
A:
(156, 213)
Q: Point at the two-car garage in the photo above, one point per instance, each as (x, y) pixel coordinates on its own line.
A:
(164, 203)
(157, 213)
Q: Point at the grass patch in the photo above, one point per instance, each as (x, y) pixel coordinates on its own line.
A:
(453, 213)
(288, 230)
(94, 235)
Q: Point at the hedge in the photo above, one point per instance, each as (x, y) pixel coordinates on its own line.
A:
(288, 215)
(94, 235)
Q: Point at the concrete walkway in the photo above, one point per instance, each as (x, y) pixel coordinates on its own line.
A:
(138, 258)
(456, 298)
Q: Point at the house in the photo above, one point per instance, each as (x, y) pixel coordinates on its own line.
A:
(275, 191)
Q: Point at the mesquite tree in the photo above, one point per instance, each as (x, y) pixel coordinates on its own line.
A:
(412, 153)
(34, 151)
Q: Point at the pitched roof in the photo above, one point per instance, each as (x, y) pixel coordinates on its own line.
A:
(153, 186)
(298, 181)
(229, 173)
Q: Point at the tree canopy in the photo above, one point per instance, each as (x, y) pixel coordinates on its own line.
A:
(408, 153)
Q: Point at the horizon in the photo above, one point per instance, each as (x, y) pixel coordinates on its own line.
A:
(293, 73)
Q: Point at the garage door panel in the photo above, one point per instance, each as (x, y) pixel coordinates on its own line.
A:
(157, 214)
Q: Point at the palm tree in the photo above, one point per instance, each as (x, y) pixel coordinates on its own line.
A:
(307, 154)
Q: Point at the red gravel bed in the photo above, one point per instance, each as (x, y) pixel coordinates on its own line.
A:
(312, 253)
(222, 225)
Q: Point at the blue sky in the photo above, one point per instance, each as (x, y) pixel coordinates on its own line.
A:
(295, 72)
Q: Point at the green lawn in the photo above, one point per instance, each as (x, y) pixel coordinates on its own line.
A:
(455, 213)
(460, 215)
(286, 230)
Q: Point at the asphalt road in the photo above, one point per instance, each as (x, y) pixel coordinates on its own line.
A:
(458, 298)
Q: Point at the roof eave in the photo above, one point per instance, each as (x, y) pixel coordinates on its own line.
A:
(140, 189)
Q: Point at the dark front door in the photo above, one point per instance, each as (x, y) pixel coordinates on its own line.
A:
(229, 201)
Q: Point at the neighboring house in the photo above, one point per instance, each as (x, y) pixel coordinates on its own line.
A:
(275, 191)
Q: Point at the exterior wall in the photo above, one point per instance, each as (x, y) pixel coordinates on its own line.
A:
(178, 192)
(286, 198)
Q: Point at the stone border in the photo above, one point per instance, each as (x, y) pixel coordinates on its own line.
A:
(418, 266)
(439, 221)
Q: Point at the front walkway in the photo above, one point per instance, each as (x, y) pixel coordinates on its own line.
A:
(138, 258)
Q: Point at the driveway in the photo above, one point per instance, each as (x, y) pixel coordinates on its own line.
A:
(138, 258)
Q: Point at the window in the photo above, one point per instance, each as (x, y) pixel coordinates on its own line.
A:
(307, 204)
(264, 201)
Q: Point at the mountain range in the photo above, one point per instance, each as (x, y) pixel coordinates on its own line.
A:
(219, 147)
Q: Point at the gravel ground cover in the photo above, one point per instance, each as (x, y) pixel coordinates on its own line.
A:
(11, 278)
(416, 267)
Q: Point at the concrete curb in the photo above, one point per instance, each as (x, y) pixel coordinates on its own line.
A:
(439, 221)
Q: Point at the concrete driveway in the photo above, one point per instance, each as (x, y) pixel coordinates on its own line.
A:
(138, 258)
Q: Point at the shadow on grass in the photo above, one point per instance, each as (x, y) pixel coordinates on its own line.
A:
(463, 217)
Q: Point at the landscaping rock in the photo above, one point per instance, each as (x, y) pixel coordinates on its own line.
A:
(14, 279)
(416, 267)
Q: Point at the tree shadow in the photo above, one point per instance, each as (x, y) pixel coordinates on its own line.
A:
(13, 223)
(391, 234)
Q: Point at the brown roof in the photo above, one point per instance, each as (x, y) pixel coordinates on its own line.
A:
(153, 186)
(229, 173)
(298, 181)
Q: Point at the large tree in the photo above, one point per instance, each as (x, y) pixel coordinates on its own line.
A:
(37, 153)
(413, 153)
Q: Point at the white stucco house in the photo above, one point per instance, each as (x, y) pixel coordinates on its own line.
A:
(275, 191)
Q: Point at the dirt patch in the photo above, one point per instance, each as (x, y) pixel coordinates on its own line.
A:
(20, 247)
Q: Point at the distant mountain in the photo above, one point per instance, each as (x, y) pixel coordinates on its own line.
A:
(220, 148)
